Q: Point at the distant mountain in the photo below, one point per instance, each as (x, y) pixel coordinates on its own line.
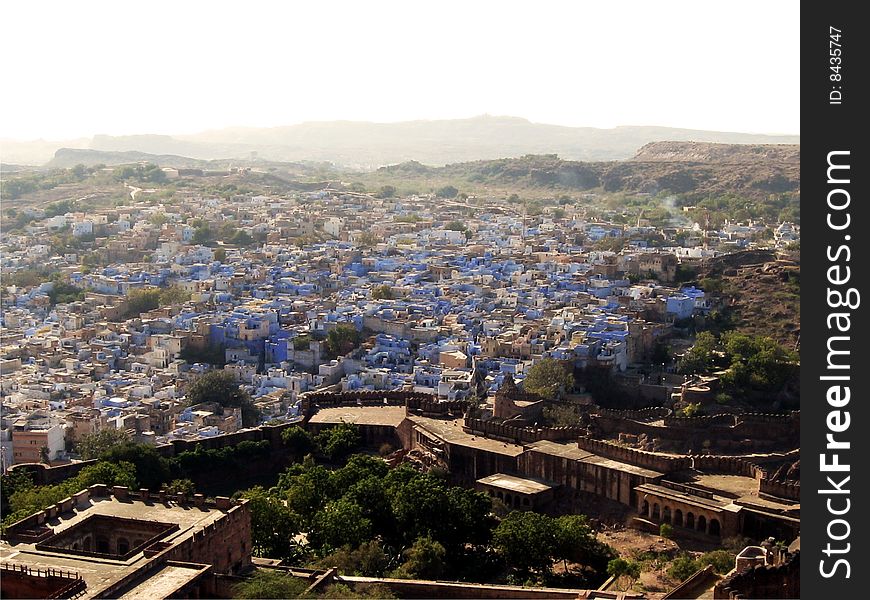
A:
(366, 146)
(65, 158)
(36, 152)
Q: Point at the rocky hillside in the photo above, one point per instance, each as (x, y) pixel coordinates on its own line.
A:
(696, 170)
(698, 152)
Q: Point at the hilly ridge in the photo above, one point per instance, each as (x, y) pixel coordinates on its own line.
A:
(366, 146)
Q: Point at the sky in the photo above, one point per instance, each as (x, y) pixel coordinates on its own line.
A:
(75, 69)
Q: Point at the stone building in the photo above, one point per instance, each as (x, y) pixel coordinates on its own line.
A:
(111, 543)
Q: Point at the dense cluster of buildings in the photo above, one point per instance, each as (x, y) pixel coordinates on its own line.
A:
(446, 304)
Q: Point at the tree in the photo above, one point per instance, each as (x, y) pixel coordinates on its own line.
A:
(447, 191)
(94, 445)
(298, 441)
(152, 470)
(141, 301)
(547, 378)
(699, 359)
(527, 540)
(386, 191)
(273, 525)
(382, 292)
(627, 569)
(342, 339)
(242, 239)
(270, 584)
(666, 531)
(221, 388)
(181, 486)
(339, 441)
(721, 560)
(220, 255)
(340, 522)
(683, 567)
(575, 541)
(368, 560)
(425, 559)
(173, 295)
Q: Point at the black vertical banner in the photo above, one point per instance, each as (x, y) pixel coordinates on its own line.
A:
(835, 240)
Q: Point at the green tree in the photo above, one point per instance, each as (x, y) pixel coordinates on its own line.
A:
(624, 569)
(527, 541)
(386, 191)
(721, 560)
(270, 584)
(173, 295)
(152, 470)
(181, 486)
(425, 559)
(382, 292)
(220, 255)
(447, 191)
(666, 531)
(368, 560)
(141, 301)
(682, 567)
(340, 522)
(699, 359)
(273, 525)
(94, 445)
(339, 441)
(342, 339)
(298, 441)
(242, 239)
(548, 377)
(221, 388)
(575, 541)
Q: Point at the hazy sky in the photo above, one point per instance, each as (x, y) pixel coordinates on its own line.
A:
(78, 68)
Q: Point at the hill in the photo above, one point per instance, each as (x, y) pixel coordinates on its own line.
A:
(698, 170)
(363, 145)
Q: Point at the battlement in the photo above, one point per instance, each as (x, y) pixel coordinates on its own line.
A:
(519, 435)
(643, 414)
(640, 458)
(790, 490)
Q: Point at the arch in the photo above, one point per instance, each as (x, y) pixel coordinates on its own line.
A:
(678, 518)
(666, 514)
(75, 546)
(644, 509)
(102, 545)
(123, 546)
(508, 499)
(702, 523)
(690, 520)
(501, 495)
(86, 545)
(526, 501)
(715, 527)
(517, 501)
(655, 512)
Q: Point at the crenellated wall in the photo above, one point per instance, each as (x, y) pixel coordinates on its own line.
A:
(642, 415)
(790, 490)
(512, 433)
(640, 458)
(780, 581)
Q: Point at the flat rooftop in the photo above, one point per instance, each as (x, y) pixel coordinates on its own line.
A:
(450, 430)
(100, 572)
(571, 451)
(716, 503)
(520, 485)
(390, 416)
